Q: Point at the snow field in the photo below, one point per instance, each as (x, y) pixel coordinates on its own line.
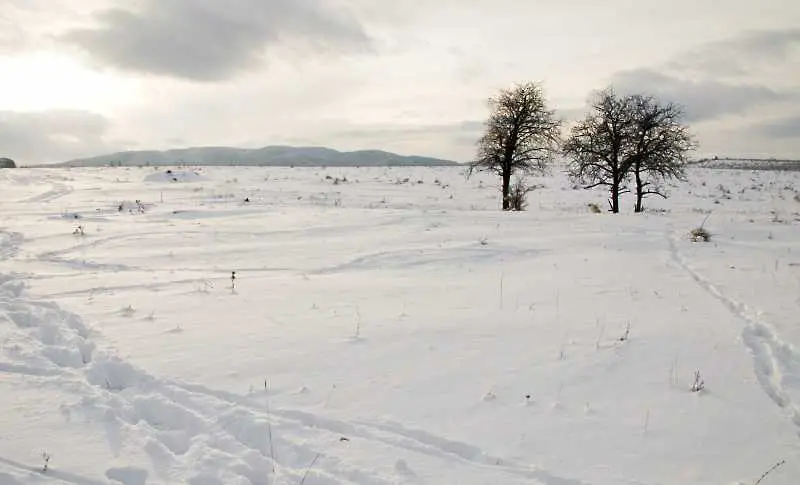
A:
(407, 332)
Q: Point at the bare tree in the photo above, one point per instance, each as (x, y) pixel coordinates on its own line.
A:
(600, 146)
(662, 145)
(521, 136)
(629, 136)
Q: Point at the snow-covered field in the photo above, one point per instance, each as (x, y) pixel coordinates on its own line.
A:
(394, 328)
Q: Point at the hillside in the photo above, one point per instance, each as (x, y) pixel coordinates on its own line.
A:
(748, 164)
(283, 156)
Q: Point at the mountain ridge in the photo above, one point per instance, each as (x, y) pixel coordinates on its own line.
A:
(273, 155)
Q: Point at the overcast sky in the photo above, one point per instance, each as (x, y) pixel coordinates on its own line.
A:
(86, 77)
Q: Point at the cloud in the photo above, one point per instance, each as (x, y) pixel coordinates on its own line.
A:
(52, 136)
(14, 36)
(740, 55)
(211, 40)
(703, 99)
(27, 25)
(746, 73)
(788, 127)
(405, 131)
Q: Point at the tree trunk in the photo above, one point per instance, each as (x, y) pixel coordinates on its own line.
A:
(614, 201)
(639, 192)
(506, 189)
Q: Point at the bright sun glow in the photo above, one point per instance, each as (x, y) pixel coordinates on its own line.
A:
(46, 81)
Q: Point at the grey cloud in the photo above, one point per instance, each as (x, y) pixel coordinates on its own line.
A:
(212, 40)
(739, 55)
(27, 25)
(51, 136)
(702, 99)
(467, 131)
(788, 127)
(775, 44)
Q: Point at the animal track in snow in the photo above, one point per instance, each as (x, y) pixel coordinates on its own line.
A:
(776, 363)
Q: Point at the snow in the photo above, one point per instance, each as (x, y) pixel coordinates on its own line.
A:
(391, 325)
(173, 175)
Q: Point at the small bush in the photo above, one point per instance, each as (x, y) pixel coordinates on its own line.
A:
(699, 383)
(700, 234)
(517, 196)
(594, 208)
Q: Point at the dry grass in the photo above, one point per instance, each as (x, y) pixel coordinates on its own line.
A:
(700, 234)
(517, 197)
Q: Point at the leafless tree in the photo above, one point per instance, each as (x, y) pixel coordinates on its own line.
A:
(662, 145)
(521, 135)
(600, 146)
(629, 136)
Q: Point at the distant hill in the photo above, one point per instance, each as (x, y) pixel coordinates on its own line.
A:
(279, 156)
(748, 163)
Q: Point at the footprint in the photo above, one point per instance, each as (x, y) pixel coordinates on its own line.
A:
(161, 413)
(127, 475)
(178, 442)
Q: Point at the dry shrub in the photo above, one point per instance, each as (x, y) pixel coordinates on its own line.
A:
(700, 234)
(517, 196)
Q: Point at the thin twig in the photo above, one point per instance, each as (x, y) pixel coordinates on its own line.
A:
(705, 220)
(310, 466)
(269, 429)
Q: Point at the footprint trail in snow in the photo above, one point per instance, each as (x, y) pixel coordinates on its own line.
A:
(213, 437)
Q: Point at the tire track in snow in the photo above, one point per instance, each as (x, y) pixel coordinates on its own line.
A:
(396, 435)
(429, 256)
(776, 363)
(94, 243)
(208, 436)
(56, 257)
(447, 448)
(57, 190)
